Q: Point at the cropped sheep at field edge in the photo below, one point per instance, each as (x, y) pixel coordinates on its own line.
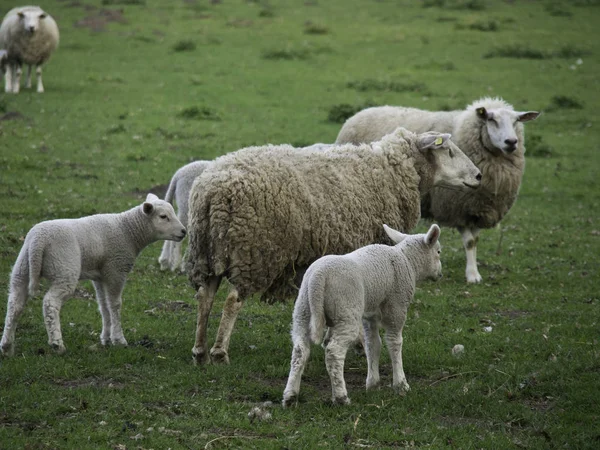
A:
(102, 248)
(260, 216)
(30, 36)
(490, 132)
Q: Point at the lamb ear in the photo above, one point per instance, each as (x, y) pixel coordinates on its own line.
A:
(151, 197)
(527, 116)
(394, 235)
(432, 235)
(21, 14)
(432, 140)
(147, 208)
(482, 113)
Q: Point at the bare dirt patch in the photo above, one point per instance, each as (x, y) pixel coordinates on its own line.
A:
(90, 382)
(159, 190)
(98, 21)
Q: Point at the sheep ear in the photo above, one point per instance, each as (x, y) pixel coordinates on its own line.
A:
(527, 116)
(151, 197)
(21, 14)
(482, 113)
(432, 235)
(432, 140)
(147, 208)
(394, 235)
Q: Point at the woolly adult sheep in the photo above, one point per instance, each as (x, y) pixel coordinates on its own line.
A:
(30, 36)
(179, 190)
(369, 287)
(101, 248)
(261, 215)
(490, 132)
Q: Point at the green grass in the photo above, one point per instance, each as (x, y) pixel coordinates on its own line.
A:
(139, 88)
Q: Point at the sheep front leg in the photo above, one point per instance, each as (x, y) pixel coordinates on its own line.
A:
(231, 309)
(104, 312)
(38, 73)
(53, 300)
(165, 259)
(470, 236)
(8, 78)
(205, 298)
(16, 82)
(17, 298)
(113, 290)
(373, 350)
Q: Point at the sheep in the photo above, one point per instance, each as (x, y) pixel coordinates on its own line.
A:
(102, 248)
(374, 284)
(179, 190)
(490, 132)
(259, 216)
(30, 36)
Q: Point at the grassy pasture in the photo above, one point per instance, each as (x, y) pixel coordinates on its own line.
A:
(139, 88)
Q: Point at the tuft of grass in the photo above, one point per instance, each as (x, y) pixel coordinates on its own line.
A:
(294, 53)
(386, 86)
(200, 113)
(342, 112)
(557, 10)
(570, 51)
(473, 5)
(116, 129)
(564, 102)
(484, 25)
(315, 28)
(535, 147)
(266, 12)
(524, 52)
(123, 2)
(184, 46)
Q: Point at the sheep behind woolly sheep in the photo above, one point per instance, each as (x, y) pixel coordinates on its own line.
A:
(102, 248)
(260, 216)
(370, 287)
(30, 36)
(490, 132)
(179, 191)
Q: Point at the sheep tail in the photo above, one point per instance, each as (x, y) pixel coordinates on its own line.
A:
(35, 255)
(171, 190)
(314, 292)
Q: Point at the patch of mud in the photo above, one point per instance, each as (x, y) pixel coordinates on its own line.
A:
(90, 382)
(159, 190)
(98, 21)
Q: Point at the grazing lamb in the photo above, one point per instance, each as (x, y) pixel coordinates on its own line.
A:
(372, 285)
(260, 216)
(179, 190)
(490, 132)
(30, 36)
(101, 248)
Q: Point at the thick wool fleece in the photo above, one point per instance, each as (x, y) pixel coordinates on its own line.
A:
(260, 216)
(501, 173)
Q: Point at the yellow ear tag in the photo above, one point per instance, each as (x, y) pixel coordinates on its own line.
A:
(438, 141)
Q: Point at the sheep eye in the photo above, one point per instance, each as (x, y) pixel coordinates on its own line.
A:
(450, 153)
(42, 16)
(163, 216)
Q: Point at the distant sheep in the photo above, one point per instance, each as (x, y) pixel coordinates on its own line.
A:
(30, 36)
(260, 216)
(179, 190)
(102, 248)
(369, 287)
(490, 132)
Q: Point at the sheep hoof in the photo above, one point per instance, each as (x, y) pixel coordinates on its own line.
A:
(59, 349)
(219, 356)
(474, 278)
(7, 350)
(402, 388)
(341, 400)
(289, 400)
(199, 356)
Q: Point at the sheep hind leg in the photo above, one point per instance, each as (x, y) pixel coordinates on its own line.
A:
(17, 298)
(470, 236)
(52, 304)
(104, 312)
(373, 351)
(28, 79)
(300, 355)
(165, 258)
(38, 73)
(341, 337)
(231, 309)
(205, 298)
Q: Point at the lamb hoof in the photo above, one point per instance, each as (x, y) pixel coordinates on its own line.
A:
(474, 278)
(199, 356)
(121, 342)
(402, 388)
(59, 349)
(289, 400)
(7, 350)
(341, 400)
(219, 356)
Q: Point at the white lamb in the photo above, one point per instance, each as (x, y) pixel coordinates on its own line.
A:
(374, 284)
(490, 133)
(102, 248)
(261, 215)
(30, 36)
(179, 190)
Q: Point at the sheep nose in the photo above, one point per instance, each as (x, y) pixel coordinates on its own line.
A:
(32, 29)
(478, 177)
(183, 232)
(510, 142)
